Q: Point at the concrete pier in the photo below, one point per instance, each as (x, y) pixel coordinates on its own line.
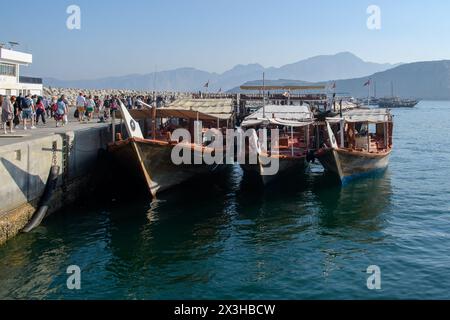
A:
(25, 161)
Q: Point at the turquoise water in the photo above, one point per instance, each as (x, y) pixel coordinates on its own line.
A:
(231, 239)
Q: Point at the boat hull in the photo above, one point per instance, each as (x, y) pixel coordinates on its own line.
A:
(151, 162)
(288, 167)
(352, 165)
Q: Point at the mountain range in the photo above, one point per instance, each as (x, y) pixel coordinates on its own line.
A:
(423, 80)
(343, 65)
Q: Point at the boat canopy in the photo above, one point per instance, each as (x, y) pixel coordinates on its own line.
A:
(364, 115)
(346, 105)
(208, 109)
(287, 87)
(202, 109)
(291, 116)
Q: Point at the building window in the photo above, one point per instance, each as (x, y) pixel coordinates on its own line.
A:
(7, 69)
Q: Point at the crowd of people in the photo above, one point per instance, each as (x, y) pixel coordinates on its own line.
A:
(30, 111)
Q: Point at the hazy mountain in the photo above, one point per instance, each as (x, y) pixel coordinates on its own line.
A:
(339, 66)
(423, 80)
(322, 68)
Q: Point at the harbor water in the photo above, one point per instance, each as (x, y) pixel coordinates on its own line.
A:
(232, 239)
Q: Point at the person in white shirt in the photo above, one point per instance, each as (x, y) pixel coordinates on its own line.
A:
(81, 105)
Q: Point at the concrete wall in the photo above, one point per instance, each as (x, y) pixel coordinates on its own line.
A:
(24, 169)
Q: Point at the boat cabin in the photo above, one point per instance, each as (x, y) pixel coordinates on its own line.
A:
(294, 124)
(363, 130)
(159, 123)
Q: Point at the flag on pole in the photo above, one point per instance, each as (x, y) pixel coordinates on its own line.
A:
(220, 90)
(206, 85)
(333, 86)
(367, 83)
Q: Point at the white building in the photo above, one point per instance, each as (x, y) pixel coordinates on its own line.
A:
(11, 83)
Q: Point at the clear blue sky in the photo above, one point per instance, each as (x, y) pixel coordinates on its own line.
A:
(134, 36)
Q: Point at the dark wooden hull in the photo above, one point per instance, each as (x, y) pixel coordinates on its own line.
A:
(151, 161)
(288, 167)
(350, 165)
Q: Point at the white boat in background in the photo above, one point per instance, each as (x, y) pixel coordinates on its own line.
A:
(359, 143)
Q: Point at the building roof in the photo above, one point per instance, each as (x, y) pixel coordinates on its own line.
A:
(15, 56)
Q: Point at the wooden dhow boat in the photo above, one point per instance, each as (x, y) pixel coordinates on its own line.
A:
(358, 143)
(149, 157)
(282, 155)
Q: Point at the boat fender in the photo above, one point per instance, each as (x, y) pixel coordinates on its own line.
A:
(44, 202)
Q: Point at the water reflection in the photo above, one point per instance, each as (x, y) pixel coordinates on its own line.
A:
(357, 205)
(274, 213)
(138, 248)
(183, 226)
(29, 267)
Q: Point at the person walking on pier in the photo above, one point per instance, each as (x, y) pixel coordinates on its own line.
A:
(53, 106)
(107, 105)
(40, 111)
(47, 108)
(129, 102)
(1, 106)
(17, 110)
(7, 113)
(81, 105)
(100, 110)
(90, 107)
(27, 112)
(114, 106)
(61, 111)
(33, 111)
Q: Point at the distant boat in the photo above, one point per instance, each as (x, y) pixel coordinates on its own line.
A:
(372, 101)
(396, 102)
(363, 146)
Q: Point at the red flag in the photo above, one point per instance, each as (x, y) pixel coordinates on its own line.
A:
(367, 83)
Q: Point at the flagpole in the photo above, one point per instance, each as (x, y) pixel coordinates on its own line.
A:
(334, 97)
(368, 95)
(264, 94)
